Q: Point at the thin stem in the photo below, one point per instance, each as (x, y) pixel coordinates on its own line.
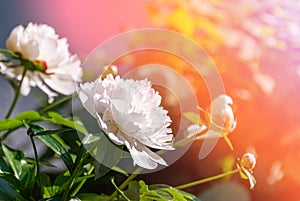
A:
(78, 187)
(37, 163)
(75, 174)
(17, 94)
(53, 105)
(195, 183)
(125, 183)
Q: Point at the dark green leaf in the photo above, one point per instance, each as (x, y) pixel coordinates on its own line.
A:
(8, 191)
(59, 149)
(28, 115)
(46, 186)
(100, 170)
(22, 170)
(32, 129)
(59, 185)
(3, 166)
(51, 132)
(92, 197)
(8, 124)
(133, 191)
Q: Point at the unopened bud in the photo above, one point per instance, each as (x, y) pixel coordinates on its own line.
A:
(248, 161)
(40, 65)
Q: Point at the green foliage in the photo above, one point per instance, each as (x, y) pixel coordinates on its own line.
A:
(138, 190)
(52, 142)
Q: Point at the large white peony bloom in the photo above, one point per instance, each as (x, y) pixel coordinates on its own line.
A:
(57, 68)
(128, 112)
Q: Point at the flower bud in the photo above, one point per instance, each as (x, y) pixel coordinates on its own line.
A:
(248, 161)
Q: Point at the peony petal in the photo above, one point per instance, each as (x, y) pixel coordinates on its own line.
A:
(86, 95)
(144, 157)
(30, 50)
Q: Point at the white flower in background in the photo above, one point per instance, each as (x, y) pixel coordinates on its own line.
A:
(129, 113)
(56, 67)
(221, 120)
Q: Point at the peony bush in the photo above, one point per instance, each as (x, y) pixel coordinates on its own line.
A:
(129, 115)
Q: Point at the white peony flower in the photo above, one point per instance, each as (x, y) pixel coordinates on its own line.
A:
(128, 112)
(56, 67)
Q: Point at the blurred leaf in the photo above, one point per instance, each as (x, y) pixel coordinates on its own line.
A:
(92, 197)
(9, 188)
(59, 183)
(9, 53)
(100, 170)
(193, 117)
(119, 170)
(41, 162)
(108, 154)
(133, 191)
(8, 124)
(28, 115)
(227, 164)
(58, 119)
(3, 166)
(46, 186)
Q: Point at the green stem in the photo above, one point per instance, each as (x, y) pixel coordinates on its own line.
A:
(17, 94)
(125, 183)
(195, 183)
(78, 187)
(75, 174)
(53, 105)
(37, 163)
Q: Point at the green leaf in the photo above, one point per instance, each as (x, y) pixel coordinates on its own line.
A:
(22, 170)
(9, 53)
(8, 124)
(58, 119)
(27, 178)
(133, 191)
(14, 158)
(59, 149)
(92, 197)
(193, 117)
(28, 115)
(51, 132)
(3, 166)
(59, 185)
(100, 170)
(119, 170)
(9, 188)
(46, 186)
